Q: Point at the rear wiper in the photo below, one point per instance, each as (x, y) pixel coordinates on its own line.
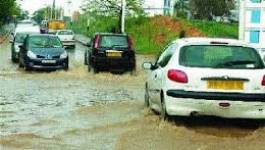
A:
(236, 62)
(122, 46)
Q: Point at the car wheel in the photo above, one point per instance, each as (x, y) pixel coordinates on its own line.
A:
(13, 58)
(27, 68)
(133, 72)
(66, 67)
(146, 97)
(163, 114)
(85, 59)
(88, 67)
(95, 69)
(20, 65)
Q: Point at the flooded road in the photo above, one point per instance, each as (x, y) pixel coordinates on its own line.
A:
(77, 110)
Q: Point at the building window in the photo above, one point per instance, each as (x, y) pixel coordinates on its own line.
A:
(254, 36)
(255, 1)
(255, 16)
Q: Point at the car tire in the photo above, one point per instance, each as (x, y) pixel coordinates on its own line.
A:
(66, 67)
(95, 69)
(20, 65)
(13, 58)
(133, 72)
(85, 59)
(27, 68)
(89, 67)
(146, 97)
(163, 114)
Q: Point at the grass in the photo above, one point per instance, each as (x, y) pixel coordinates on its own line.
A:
(215, 29)
(150, 35)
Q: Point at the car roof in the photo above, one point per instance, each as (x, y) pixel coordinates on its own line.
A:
(65, 30)
(211, 41)
(109, 33)
(42, 35)
(26, 28)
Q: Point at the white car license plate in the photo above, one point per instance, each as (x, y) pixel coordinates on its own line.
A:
(48, 61)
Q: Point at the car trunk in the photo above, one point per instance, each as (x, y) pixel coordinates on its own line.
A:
(225, 80)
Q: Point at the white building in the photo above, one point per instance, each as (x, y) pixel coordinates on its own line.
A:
(158, 7)
(252, 22)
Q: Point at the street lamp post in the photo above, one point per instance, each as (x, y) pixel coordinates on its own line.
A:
(123, 16)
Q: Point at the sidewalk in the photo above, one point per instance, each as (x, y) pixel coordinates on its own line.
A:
(82, 39)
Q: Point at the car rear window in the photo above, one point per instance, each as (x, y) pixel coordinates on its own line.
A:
(220, 56)
(113, 41)
(44, 42)
(65, 33)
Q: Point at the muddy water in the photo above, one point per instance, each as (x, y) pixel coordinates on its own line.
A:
(79, 110)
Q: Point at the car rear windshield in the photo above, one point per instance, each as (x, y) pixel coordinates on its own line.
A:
(220, 56)
(65, 33)
(113, 41)
(44, 42)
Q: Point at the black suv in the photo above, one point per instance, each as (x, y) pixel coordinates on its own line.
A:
(43, 52)
(109, 51)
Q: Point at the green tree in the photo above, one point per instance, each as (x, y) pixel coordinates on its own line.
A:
(206, 9)
(112, 8)
(6, 9)
(181, 8)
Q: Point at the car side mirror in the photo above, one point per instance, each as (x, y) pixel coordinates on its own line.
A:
(147, 65)
(21, 47)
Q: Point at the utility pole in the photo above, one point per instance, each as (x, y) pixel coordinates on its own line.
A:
(53, 10)
(123, 16)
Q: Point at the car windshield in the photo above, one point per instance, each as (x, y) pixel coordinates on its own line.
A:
(220, 56)
(113, 41)
(44, 42)
(65, 33)
(20, 37)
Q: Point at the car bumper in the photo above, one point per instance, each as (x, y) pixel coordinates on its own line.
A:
(68, 43)
(38, 64)
(114, 63)
(188, 105)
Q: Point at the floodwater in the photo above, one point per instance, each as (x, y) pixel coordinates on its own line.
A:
(77, 110)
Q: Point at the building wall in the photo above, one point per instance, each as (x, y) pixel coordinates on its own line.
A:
(158, 7)
(252, 22)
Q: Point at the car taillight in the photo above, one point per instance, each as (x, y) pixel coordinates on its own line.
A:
(177, 76)
(130, 43)
(263, 81)
(97, 41)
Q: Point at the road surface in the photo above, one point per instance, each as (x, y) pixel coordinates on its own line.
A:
(77, 110)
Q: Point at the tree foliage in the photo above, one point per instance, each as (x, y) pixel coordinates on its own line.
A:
(6, 9)
(111, 7)
(206, 9)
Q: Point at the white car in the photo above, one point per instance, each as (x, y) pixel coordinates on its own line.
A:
(204, 76)
(66, 37)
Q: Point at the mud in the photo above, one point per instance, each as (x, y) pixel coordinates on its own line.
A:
(77, 110)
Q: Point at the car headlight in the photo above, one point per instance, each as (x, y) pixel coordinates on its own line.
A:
(64, 55)
(30, 54)
(17, 48)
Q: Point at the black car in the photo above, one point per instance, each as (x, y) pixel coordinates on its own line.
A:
(43, 52)
(109, 51)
